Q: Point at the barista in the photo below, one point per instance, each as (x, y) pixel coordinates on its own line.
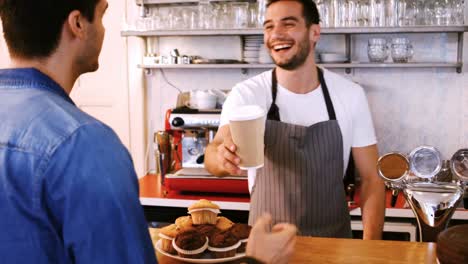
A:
(315, 120)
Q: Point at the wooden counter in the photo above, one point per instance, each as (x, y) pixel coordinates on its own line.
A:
(332, 250)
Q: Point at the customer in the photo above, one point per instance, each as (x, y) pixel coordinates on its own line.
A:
(68, 189)
(316, 122)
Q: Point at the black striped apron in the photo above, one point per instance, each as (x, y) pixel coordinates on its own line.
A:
(302, 180)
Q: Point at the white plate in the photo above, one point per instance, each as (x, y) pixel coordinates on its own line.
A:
(205, 258)
(255, 48)
(251, 53)
(333, 57)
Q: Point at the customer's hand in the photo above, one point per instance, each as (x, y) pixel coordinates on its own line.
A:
(227, 158)
(271, 246)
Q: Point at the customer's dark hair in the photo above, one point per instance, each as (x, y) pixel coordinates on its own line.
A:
(309, 10)
(32, 28)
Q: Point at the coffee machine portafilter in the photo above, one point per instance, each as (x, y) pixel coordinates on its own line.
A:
(433, 202)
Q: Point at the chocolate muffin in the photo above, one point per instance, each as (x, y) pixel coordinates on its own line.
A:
(207, 230)
(190, 243)
(223, 244)
(242, 232)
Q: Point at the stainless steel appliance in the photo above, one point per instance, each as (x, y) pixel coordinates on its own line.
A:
(433, 202)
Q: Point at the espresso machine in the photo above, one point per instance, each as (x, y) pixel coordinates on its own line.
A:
(422, 177)
(191, 131)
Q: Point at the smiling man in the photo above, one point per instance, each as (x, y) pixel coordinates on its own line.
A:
(317, 121)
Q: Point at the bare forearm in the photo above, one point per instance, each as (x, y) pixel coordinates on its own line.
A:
(373, 208)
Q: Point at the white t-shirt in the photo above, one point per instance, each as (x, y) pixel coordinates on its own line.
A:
(348, 98)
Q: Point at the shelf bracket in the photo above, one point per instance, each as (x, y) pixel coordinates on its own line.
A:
(148, 71)
(460, 52)
(348, 46)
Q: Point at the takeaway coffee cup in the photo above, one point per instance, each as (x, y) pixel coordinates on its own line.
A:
(247, 126)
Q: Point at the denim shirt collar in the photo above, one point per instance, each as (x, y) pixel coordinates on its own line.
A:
(31, 78)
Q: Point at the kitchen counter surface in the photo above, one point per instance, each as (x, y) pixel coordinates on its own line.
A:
(332, 250)
(152, 193)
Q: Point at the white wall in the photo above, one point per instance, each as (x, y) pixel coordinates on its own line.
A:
(104, 93)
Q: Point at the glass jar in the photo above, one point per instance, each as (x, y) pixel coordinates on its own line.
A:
(402, 50)
(377, 50)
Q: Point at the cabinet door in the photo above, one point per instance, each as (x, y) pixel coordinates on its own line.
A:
(103, 94)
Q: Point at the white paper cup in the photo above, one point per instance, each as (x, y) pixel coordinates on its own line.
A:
(247, 125)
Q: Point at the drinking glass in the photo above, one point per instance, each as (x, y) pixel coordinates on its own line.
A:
(402, 50)
(204, 14)
(377, 50)
(335, 8)
(363, 13)
(224, 15)
(409, 18)
(323, 7)
(261, 9)
(376, 13)
(252, 15)
(240, 12)
(458, 15)
(351, 16)
(402, 6)
(442, 12)
(391, 13)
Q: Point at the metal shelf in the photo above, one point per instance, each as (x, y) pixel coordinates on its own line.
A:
(170, 2)
(353, 65)
(324, 31)
(199, 32)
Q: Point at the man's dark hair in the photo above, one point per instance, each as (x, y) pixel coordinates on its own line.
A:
(32, 28)
(309, 10)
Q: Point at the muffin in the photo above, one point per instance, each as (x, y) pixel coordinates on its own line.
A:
(190, 243)
(184, 222)
(166, 235)
(223, 244)
(206, 230)
(223, 223)
(242, 232)
(204, 212)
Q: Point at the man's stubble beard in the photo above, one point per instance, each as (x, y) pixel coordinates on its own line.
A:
(299, 58)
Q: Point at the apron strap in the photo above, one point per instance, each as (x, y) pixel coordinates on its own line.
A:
(349, 177)
(273, 112)
(326, 95)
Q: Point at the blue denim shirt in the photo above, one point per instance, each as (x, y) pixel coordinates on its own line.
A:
(68, 189)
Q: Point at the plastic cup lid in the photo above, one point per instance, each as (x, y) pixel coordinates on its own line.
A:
(247, 112)
(425, 161)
